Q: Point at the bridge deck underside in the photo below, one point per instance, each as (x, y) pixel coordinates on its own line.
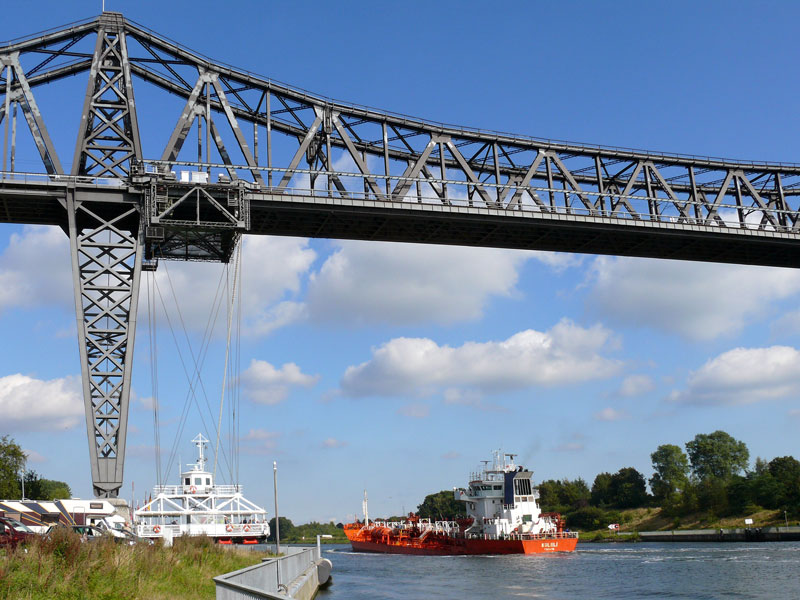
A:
(321, 218)
(529, 232)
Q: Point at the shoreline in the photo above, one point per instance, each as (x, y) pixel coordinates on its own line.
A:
(720, 534)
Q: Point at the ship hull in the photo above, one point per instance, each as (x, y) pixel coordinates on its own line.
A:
(459, 546)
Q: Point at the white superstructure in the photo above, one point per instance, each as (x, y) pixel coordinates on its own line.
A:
(502, 501)
(200, 507)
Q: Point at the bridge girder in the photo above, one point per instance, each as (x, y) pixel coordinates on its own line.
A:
(329, 169)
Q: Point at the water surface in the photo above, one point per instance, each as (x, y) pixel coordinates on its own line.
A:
(696, 571)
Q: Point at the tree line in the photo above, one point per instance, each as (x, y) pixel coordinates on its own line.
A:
(12, 466)
(712, 476)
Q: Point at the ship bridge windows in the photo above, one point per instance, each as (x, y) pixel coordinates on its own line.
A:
(522, 487)
(187, 480)
(498, 487)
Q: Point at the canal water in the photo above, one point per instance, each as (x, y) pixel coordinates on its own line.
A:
(697, 571)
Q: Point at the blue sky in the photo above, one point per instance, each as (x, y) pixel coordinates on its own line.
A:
(397, 368)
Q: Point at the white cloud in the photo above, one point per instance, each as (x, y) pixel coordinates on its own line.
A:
(272, 267)
(558, 261)
(452, 455)
(700, 301)
(636, 385)
(264, 384)
(414, 411)
(36, 270)
(33, 456)
(259, 441)
(462, 397)
(567, 353)
(369, 282)
(28, 404)
(469, 397)
(610, 414)
(333, 443)
(744, 376)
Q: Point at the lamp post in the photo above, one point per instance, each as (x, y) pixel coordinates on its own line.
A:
(277, 521)
(319, 544)
(23, 476)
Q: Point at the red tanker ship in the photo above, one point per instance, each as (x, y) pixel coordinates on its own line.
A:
(503, 517)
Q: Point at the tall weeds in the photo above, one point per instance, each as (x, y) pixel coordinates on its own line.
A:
(62, 567)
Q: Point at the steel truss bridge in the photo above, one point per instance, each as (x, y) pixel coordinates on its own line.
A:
(323, 169)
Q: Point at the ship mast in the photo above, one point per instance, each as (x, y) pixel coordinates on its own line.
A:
(200, 442)
(365, 509)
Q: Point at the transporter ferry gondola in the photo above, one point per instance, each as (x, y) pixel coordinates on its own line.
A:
(503, 517)
(197, 506)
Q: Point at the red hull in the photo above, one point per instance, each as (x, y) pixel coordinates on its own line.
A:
(444, 546)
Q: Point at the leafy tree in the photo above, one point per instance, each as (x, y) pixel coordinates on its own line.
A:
(548, 496)
(575, 492)
(589, 517)
(562, 496)
(12, 462)
(628, 489)
(38, 488)
(786, 471)
(441, 505)
(717, 455)
(287, 528)
(310, 531)
(671, 472)
(712, 495)
(601, 490)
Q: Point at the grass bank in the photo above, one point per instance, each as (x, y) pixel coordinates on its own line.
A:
(63, 568)
(634, 520)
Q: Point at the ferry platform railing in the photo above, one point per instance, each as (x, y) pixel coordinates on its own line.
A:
(274, 578)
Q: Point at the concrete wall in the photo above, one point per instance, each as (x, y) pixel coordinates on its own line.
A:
(750, 534)
(299, 573)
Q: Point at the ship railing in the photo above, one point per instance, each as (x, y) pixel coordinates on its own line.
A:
(524, 536)
(211, 529)
(179, 490)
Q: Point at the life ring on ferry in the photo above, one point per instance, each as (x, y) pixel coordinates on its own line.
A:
(247, 527)
(193, 490)
(228, 527)
(157, 529)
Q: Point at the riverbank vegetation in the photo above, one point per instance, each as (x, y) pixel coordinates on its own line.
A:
(61, 567)
(710, 485)
(308, 532)
(12, 467)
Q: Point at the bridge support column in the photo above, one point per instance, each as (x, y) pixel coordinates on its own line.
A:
(106, 265)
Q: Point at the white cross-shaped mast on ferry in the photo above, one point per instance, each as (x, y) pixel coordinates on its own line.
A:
(200, 442)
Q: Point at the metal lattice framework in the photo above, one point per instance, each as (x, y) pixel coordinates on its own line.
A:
(326, 169)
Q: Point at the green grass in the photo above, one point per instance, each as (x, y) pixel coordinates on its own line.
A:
(63, 568)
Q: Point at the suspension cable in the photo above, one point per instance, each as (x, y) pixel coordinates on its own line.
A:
(230, 307)
(199, 360)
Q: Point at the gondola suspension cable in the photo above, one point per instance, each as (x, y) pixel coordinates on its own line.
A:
(203, 352)
(230, 307)
(198, 362)
(153, 343)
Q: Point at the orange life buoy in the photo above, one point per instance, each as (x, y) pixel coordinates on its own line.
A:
(157, 529)
(193, 490)
(247, 527)
(228, 527)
